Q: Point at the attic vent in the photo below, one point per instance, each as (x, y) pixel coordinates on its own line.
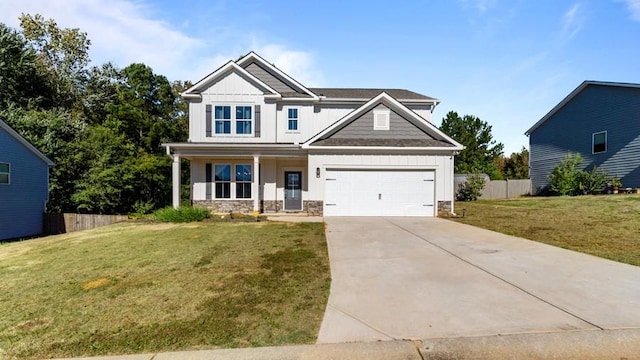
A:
(381, 119)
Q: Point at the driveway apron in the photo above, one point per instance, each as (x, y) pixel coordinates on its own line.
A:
(422, 278)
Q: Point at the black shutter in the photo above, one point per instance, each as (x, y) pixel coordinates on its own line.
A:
(207, 119)
(209, 185)
(256, 123)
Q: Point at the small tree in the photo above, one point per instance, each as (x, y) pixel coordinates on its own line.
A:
(563, 177)
(471, 189)
(568, 179)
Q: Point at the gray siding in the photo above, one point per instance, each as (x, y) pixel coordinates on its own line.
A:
(399, 128)
(613, 109)
(268, 78)
(22, 202)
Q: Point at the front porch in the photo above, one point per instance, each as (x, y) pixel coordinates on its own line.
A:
(271, 179)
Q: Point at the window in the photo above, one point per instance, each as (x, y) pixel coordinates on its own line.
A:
(243, 181)
(381, 119)
(243, 119)
(223, 119)
(600, 142)
(293, 119)
(223, 181)
(4, 173)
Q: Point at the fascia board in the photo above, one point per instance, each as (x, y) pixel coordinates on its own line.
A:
(230, 66)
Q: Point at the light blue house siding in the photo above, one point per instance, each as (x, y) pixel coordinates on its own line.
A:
(597, 107)
(23, 200)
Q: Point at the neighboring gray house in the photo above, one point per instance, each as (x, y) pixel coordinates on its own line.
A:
(24, 185)
(598, 120)
(261, 141)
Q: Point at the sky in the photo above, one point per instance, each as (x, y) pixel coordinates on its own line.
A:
(508, 62)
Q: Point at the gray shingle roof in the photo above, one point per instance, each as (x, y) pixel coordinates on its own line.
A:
(366, 94)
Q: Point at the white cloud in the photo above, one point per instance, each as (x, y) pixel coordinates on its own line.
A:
(297, 64)
(634, 8)
(125, 31)
(572, 21)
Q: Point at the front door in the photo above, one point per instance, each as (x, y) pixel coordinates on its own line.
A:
(292, 190)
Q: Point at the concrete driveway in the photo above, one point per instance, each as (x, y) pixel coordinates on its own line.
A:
(425, 278)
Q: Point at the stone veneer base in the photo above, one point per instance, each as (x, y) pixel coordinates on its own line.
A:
(311, 207)
(444, 208)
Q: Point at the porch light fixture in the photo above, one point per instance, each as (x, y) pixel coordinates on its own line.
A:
(318, 172)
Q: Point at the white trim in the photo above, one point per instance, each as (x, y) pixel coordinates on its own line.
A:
(593, 142)
(297, 118)
(389, 101)
(25, 143)
(194, 91)
(8, 173)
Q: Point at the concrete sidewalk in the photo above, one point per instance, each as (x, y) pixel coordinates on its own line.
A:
(576, 345)
(425, 278)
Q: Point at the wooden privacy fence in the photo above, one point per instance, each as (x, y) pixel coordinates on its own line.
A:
(500, 189)
(505, 189)
(69, 222)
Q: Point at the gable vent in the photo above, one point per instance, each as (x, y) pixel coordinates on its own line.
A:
(381, 119)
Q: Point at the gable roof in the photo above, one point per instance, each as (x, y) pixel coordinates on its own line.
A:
(229, 67)
(366, 94)
(572, 95)
(440, 140)
(298, 89)
(25, 143)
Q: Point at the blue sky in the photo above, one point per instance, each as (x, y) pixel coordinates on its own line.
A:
(507, 62)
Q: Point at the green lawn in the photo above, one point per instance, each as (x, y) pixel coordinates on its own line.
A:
(605, 225)
(140, 287)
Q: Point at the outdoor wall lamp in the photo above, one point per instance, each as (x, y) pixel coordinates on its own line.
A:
(318, 172)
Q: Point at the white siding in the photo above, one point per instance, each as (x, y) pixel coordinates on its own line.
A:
(442, 164)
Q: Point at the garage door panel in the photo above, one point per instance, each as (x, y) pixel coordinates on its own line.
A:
(379, 193)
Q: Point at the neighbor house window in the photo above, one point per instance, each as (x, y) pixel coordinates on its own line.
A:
(223, 181)
(243, 181)
(381, 119)
(223, 119)
(600, 142)
(243, 119)
(4, 173)
(293, 119)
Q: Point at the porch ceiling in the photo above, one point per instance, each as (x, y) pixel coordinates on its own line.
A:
(198, 150)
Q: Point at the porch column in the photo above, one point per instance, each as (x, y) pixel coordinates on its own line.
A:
(175, 171)
(255, 185)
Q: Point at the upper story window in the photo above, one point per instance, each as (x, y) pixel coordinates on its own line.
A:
(292, 116)
(599, 142)
(226, 118)
(381, 119)
(243, 119)
(223, 119)
(4, 173)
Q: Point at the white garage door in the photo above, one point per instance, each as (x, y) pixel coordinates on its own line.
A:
(379, 193)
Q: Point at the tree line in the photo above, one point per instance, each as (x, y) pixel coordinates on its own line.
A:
(102, 126)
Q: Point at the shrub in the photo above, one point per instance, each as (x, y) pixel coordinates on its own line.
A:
(471, 189)
(568, 179)
(563, 178)
(182, 214)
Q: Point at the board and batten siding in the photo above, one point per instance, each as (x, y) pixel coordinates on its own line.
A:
(441, 163)
(23, 200)
(614, 109)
